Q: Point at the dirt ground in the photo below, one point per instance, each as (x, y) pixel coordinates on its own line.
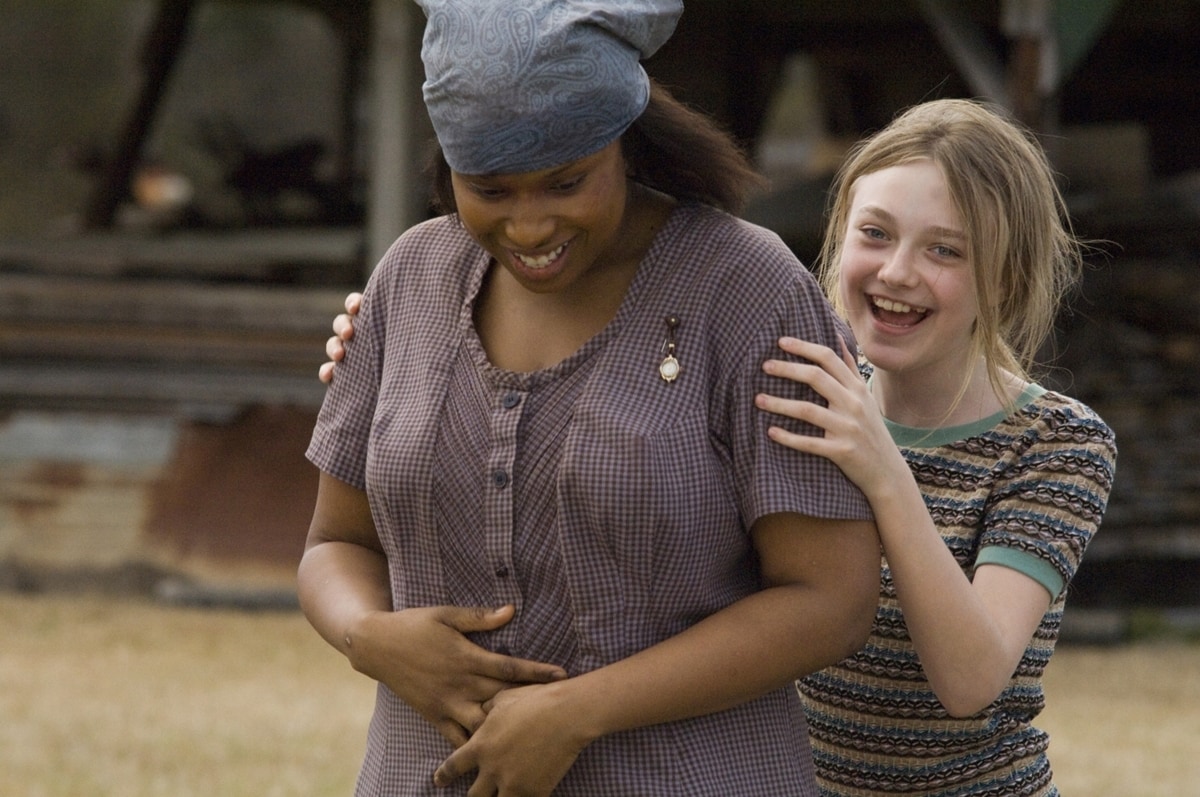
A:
(113, 696)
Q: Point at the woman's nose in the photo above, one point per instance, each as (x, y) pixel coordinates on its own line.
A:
(530, 225)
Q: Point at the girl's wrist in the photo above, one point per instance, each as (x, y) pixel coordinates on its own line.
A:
(891, 481)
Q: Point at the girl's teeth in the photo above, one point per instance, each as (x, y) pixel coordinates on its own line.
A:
(894, 307)
(543, 260)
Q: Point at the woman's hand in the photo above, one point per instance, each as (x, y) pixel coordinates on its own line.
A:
(525, 746)
(821, 581)
(343, 331)
(423, 656)
(856, 438)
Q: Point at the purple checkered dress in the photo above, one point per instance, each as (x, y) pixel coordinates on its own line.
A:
(609, 506)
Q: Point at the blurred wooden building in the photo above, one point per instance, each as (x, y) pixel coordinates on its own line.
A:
(214, 325)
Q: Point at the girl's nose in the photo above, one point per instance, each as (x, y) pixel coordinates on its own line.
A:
(899, 269)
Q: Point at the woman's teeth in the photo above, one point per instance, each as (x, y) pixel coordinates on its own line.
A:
(542, 260)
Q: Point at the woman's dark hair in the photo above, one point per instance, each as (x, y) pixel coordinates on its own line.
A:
(683, 153)
(670, 148)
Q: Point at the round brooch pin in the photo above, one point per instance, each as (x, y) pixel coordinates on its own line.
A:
(668, 369)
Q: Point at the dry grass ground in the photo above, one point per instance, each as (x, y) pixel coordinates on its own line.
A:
(132, 699)
(102, 696)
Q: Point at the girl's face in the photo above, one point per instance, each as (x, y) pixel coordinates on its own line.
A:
(906, 279)
(549, 229)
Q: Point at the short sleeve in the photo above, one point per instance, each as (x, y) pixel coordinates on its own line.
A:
(339, 442)
(1035, 567)
(770, 477)
(1051, 503)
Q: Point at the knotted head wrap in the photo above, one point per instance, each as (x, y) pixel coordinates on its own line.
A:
(524, 85)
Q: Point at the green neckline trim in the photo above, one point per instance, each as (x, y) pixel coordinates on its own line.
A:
(915, 437)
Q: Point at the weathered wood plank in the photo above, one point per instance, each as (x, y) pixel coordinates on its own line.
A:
(313, 256)
(121, 386)
(150, 303)
(161, 345)
(42, 341)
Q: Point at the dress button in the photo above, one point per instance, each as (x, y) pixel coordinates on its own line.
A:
(510, 400)
(501, 571)
(504, 650)
(500, 479)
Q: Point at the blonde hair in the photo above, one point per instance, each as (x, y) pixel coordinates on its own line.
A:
(1023, 251)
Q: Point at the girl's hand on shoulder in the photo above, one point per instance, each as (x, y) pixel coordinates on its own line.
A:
(525, 746)
(343, 331)
(855, 436)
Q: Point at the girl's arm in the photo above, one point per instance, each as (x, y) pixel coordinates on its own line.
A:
(970, 634)
(421, 654)
(821, 582)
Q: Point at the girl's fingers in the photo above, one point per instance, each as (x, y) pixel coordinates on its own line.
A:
(815, 375)
(803, 411)
(804, 443)
(842, 368)
(848, 357)
(334, 349)
(780, 406)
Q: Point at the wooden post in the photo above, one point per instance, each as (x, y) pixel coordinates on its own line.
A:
(966, 45)
(396, 191)
(159, 55)
(1032, 68)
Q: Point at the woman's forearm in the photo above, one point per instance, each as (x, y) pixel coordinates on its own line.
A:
(338, 584)
(821, 583)
(760, 643)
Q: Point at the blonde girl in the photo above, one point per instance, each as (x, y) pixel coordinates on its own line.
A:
(948, 251)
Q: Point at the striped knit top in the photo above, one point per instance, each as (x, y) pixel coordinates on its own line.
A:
(1025, 490)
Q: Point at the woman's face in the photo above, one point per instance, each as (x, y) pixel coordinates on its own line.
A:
(549, 228)
(906, 278)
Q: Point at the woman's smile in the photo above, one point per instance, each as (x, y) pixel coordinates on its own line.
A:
(553, 230)
(540, 262)
(544, 267)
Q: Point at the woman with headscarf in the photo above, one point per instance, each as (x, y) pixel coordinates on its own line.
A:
(550, 522)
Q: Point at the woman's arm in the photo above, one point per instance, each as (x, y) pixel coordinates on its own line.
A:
(421, 654)
(969, 634)
(821, 583)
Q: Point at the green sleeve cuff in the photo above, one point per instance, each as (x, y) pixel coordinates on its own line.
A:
(1039, 570)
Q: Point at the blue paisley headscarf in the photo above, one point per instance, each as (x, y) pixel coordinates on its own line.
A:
(524, 85)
